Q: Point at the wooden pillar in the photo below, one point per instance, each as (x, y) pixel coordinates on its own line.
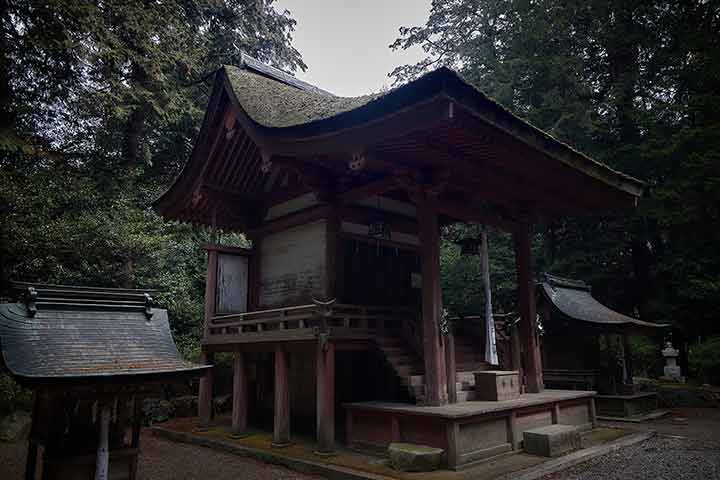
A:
(281, 425)
(255, 275)
(450, 367)
(434, 357)
(137, 417)
(526, 304)
(210, 289)
(240, 396)
(205, 395)
(628, 360)
(103, 453)
(325, 384)
(516, 350)
(32, 452)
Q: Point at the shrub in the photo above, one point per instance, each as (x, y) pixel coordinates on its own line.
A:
(13, 396)
(704, 360)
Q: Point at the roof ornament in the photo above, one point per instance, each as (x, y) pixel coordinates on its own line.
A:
(148, 306)
(30, 298)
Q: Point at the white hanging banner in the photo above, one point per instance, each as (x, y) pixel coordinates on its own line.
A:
(490, 346)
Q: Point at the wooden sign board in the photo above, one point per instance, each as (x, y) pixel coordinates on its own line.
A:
(232, 284)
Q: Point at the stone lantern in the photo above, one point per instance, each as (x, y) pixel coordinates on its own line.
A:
(671, 370)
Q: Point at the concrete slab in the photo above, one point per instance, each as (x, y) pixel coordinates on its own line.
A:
(636, 418)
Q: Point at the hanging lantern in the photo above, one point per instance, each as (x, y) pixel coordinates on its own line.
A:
(469, 245)
(379, 229)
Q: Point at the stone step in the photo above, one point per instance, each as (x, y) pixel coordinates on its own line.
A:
(551, 440)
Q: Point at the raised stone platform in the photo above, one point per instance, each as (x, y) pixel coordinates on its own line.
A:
(469, 432)
(630, 406)
(552, 441)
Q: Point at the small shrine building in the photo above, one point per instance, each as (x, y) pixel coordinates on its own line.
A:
(90, 355)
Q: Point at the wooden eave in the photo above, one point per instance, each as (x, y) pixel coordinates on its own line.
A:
(435, 125)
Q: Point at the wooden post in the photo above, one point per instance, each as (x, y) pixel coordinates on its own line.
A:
(628, 360)
(135, 439)
(103, 454)
(255, 275)
(433, 355)
(240, 396)
(325, 384)
(526, 304)
(281, 425)
(451, 370)
(210, 289)
(205, 395)
(32, 452)
(517, 355)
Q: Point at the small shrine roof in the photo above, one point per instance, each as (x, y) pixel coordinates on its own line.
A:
(70, 333)
(574, 300)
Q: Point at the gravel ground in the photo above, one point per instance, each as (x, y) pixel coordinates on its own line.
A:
(658, 458)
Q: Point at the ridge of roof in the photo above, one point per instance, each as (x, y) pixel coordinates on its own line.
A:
(250, 63)
(564, 282)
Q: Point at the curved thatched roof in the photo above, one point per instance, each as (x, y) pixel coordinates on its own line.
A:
(573, 299)
(276, 104)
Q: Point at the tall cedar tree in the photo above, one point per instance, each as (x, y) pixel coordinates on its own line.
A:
(635, 84)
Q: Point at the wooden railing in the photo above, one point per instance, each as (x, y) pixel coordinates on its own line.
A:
(320, 316)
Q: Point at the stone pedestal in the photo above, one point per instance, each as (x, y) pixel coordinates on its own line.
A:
(497, 385)
(671, 370)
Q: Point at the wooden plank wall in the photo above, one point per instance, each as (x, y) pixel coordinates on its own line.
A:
(232, 283)
(293, 266)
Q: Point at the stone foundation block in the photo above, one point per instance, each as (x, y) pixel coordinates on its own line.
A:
(408, 457)
(552, 440)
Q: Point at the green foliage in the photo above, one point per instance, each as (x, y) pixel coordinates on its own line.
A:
(646, 357)
(13, 396)
(635, 84)
(101, 103)
(704, 360)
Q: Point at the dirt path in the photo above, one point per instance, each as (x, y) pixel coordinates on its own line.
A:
(163, 460)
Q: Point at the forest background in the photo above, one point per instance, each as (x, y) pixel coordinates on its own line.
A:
(100, 103)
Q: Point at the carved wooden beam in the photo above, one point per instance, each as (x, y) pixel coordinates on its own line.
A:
(376, 187)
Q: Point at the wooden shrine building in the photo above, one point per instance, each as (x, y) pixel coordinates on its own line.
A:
(90, 355)
(338, 301)
(574, 323)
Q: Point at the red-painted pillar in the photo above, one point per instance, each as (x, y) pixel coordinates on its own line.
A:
(325, 398)
(281, 427)
(433, 351)
(205, 395)
(240, 395)
(526, 303)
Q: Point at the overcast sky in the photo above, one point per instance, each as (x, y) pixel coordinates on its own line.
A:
(345, 42)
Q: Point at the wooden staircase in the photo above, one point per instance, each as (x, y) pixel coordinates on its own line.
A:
(409, 367)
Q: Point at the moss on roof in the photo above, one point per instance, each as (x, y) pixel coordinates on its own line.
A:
(290, 106)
